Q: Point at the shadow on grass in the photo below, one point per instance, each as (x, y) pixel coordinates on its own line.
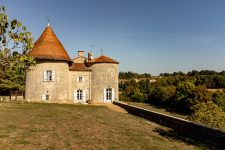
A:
(177, 136)
(167, 109)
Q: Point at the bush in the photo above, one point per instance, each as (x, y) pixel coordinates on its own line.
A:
(219, 99)
(209, 114)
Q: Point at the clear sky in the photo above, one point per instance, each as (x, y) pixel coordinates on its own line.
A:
(151, 36)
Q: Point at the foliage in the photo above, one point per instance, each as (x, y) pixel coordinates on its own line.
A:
(15, 43)
(184, 93)
(183, 89)
(130, 75)
(219, 99)
(134, 91)
(209, 114)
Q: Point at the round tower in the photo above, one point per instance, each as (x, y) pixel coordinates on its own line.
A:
(104, 79)
(49, 79)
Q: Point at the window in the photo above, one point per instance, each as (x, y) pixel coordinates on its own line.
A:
(45, 97)
(108, 94)
(79, 95)
(80, 79)
(49, 75)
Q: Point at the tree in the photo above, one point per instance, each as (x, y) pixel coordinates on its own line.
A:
(15, 43)
(183, 89)
(219, 99)
(209, 114)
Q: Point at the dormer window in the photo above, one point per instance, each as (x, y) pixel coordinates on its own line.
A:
(49, 75)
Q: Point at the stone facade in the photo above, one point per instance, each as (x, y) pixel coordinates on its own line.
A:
(84, 85)
(104, 75)
(57, 78)
(65, 84)
(57, 89)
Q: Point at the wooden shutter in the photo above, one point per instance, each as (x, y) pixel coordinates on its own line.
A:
(84, 95)
(113, 94)
(43, 97)
(75, 95)
(104, 95)
(77, 79)
(53, 75)
(83, 79)
(45, 76)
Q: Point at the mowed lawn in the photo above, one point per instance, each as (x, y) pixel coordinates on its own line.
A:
(61, 126)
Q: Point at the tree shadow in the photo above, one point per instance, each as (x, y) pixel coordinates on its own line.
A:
(177, 136)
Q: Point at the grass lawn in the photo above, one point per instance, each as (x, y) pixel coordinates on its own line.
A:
(157, 109)
(61, 126)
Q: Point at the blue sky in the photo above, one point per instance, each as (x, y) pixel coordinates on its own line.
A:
(152, 36)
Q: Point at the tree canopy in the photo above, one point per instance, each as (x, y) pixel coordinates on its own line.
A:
(187, 94)
(15, 43)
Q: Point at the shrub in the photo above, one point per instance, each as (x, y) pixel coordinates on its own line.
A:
(209, 114)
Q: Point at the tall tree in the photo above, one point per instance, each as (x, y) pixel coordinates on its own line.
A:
(15, 43)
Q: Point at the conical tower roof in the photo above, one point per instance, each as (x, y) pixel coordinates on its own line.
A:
(48, 46)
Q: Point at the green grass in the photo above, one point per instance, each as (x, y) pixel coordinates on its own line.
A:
(61, 126)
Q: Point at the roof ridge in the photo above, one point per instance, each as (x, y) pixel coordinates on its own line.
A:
(103, 59)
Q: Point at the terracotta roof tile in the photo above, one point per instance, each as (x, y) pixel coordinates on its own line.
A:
(103, 59)
(48, 46)
(79, 67)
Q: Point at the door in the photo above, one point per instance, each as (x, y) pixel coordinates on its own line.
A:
(108, 95)
(79, 96)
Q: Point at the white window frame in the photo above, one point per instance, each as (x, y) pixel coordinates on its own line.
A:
(80, 79)
(45, 97)
(108, 95)
(49, 75)
(79, 95)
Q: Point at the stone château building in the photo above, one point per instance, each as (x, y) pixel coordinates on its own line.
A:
(57, 78)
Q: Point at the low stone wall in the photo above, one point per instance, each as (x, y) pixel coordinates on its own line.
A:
(203, 133)
(7, 98)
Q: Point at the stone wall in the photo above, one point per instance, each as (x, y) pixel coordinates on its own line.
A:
(74, 85)
(7, 98)
(200, 132)
(104, 75)
(57, 89)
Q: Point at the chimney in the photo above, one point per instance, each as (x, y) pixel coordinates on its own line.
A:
(80, 53)
(90, 56)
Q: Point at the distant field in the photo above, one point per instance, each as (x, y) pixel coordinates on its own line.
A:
(60, 126)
